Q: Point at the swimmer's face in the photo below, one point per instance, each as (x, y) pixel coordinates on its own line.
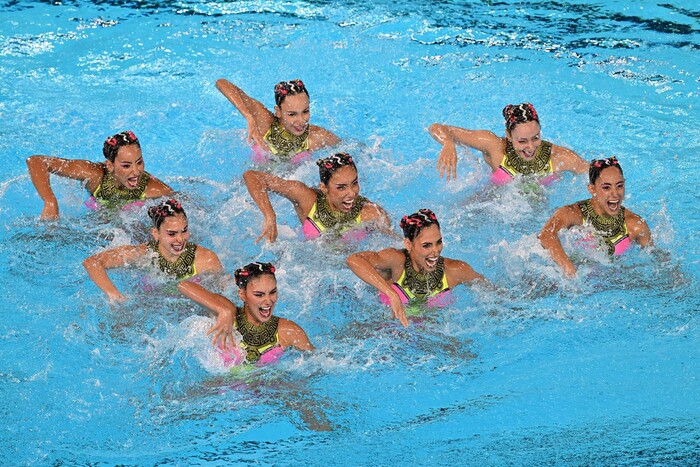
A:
(127, 166)
(259, 297)
(608, 192)
(342, 188)
(294, 113)
(526, 138)
(425, 249)
(172, 235)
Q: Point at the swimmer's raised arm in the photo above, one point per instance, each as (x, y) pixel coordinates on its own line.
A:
(40, 168)
(563, 218)
(291, 334)
(260, 183)
(221, 333)
(97, 265)
(257, 116)
(482, 140)
(377, 269)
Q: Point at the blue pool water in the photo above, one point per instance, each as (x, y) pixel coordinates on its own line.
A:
(599, 370)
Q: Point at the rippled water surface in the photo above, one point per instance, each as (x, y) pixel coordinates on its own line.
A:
(596, 371)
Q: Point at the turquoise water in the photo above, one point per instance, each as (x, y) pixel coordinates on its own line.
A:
(599, 370)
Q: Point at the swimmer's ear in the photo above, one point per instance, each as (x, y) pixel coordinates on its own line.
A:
(241, 295)
(324, 189)
(407, 244)
(154, 232)
(278, 111)
(591, 189)
(110, 166)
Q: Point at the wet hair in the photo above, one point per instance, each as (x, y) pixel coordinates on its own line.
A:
(249, 271)
(598, 165)
(288, 88)
(328, 166)
(413, 224)
(165, 209)
(519, 113)
(111, 146)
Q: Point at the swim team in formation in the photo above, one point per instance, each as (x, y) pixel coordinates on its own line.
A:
(414, 277)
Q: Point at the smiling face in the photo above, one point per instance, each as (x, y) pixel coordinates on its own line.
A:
(172, 235)
(294, 113)
(127, 167)
(608, 192)
(259, 298)
(425, 249)
(342, 188)
(526, 138)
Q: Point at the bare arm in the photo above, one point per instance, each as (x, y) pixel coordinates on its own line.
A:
(320, 138)
(638, 229)
(564, 218)
(291, 334)
(376, 215)
(222, 332)
(490, 145)
(459, 272)
(206, 261)
(260, 183)
(97, 265)
(156, 189)
(40, 168)
(377, 269)
(566, 160)
(257, 117)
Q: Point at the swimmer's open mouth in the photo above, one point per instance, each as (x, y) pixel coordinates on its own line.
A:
(614, 205)
(431, 262)
(348, 204)
(132, 182)
(265, 311)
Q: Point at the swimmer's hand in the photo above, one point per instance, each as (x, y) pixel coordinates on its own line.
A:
(569, 269)
(269, 230)
(447, 161)
(221, 333)
(398, 309)
(50, 211)
(117, 297)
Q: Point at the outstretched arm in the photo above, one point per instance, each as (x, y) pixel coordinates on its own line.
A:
(97, 265)
(222, 332)
(40, 168)
(291, 334)
(260, 183)
(367, 266)
(564, 218)
(449, 136)
(257, 117)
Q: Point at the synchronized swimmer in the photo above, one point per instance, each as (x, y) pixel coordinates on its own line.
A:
(286, 133)
(418, 272)
(169, 251)
(335, 204)
(118, 181)
(521, 152)
(615, 227)
(263, 335)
